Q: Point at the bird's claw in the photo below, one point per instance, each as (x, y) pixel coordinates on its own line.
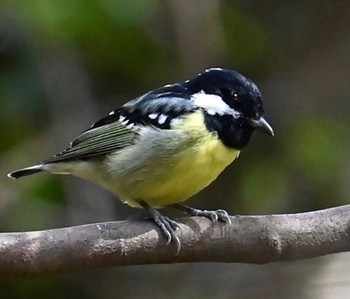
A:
(214, 216)
(223, 216)
(168, 228)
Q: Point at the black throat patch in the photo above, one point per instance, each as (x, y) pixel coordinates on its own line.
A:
(234, 133)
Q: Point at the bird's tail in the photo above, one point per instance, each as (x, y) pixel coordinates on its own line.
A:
(25, 171)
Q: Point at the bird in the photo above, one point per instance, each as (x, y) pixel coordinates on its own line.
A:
(161, 148)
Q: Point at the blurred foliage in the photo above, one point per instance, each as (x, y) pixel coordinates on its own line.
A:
(245, 28)
(320, 147)
(119, 49)
(112, 37)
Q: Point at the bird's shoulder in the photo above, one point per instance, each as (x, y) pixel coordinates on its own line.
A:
(156, 108)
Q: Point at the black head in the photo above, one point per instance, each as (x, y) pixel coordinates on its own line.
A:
(241, 95)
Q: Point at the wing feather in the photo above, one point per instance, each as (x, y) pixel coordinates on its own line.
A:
(119, 129)
(98, 141)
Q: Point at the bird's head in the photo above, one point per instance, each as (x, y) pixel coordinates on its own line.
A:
(232, 103)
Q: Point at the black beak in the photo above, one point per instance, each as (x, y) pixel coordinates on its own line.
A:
(263, 125)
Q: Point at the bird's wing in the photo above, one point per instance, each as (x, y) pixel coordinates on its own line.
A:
(97, 141)
(121, 127)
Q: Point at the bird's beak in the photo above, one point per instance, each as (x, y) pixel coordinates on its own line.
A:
(263, 125)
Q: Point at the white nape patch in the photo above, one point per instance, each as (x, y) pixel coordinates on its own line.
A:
(213, 104)
(153, 115)
(162, 119)
(111, 113)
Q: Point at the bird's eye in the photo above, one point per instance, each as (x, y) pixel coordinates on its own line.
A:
(234, 95)
(227, 93)
(231, 97)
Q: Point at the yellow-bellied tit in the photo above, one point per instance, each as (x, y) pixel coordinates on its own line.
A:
(163, 147)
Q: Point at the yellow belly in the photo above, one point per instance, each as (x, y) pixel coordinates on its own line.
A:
(182, 174)
(196, 168)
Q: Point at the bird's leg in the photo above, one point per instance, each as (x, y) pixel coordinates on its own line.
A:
(166, 225)
(221, 215)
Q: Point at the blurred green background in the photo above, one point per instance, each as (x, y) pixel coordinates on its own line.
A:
(64, 64)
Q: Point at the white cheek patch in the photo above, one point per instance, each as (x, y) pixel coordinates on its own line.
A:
(213, 104)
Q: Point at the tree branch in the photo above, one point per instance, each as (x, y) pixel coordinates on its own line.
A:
(249, 239)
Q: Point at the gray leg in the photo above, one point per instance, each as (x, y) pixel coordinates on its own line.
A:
(166, 225)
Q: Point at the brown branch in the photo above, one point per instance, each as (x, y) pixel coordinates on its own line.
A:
(250, 239)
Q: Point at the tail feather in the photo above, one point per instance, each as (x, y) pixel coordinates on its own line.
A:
(25, 171)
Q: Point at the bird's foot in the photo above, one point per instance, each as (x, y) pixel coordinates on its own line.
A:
(166, 225)
(215, 216)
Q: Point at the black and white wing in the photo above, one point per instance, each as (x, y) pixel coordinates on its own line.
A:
(122, 126)
(156, 108)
